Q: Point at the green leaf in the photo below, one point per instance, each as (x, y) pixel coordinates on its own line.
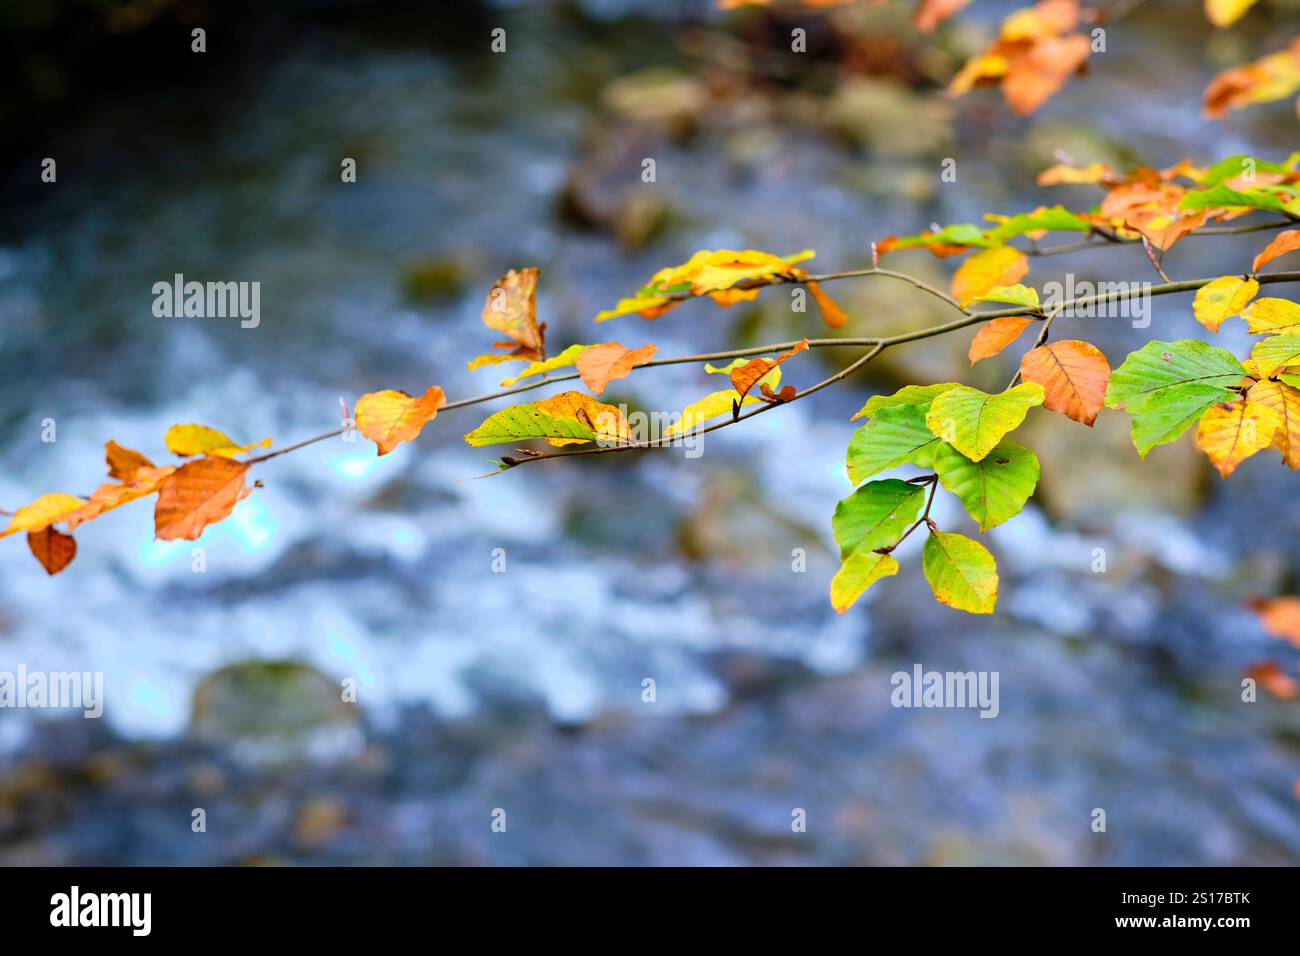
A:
(1256, 197)
(994, 489)
(958, 234)
(961, 572)
(894, 435)
(1052, 218)
(520, 422)
(876, 515)
(1171, 411)
(1292, 380)
(1275, 352)
(1234, 166)
(858, 572)
(974, 422)
(1161, 365)
(919, 395)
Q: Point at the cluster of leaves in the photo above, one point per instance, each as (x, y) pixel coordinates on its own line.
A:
(1039, 48)
(1280, 617)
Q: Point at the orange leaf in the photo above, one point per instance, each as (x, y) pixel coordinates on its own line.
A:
(1230, 433)
(1073, 375)
(1282, 243)
(123, 463)
(197, 494)
(601, 364)
(391, 417)
(54, 549)
(1279, 616)
(996, 335)
(144, 481)
(1034, 77)
(832, 314)
(744, 376)
(1276, 681)
(930, 13)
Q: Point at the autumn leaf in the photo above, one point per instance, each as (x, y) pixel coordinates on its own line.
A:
(974, 422)
(1157, 366)
(1279, 616)
(564, 419)
(832, 314)
(123, 463)
(1283, 242)
(994, 488)
(391, 417)
(1221, 299)
(1275, 680)
(930, 13)
(1230, 433)
(996, 335)
(708, 272)
(1063, 174)
(566, 358)
(745, 376)
(601, 364)
(961, 572)
(511, 308)
(187, 440)
(1073, 375)
(144, 481)
(1272, 316)
(1276, 352)
(988, 269)
(54, 549)
(1270, 78)
(1285, 401)
(1224, 13)
(1014, 294)
(197, 494)
(41, 513)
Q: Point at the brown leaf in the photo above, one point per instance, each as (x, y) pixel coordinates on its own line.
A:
(996, 335)
(602, 364)
(1073, 375)
(54, 549)
(198, 494)
(123, 463)
(144, 481)
(744, 376)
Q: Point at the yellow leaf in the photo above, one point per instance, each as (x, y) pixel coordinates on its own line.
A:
(566, 358)
(606, 421)
(1284, 400)
(41, 513)
(988, 269)
(1272, 316)
(187, 440)
(1224, 13)
(709, 407)
(1231, 433)
(391, 417)
(1222, 298)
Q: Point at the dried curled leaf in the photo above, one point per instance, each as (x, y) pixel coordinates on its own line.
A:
(511, 308)
(391, 417)
(746, 376)
(188, 440)
(197, 494)
(1283, 242)
(1270, 78)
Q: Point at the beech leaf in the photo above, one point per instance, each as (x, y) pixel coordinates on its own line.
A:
(601, 364)
(54, 549)
(1230, 433)
(974, 422)
(1073, 375)
(391, 417)
(197, 494)
(961, 572)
